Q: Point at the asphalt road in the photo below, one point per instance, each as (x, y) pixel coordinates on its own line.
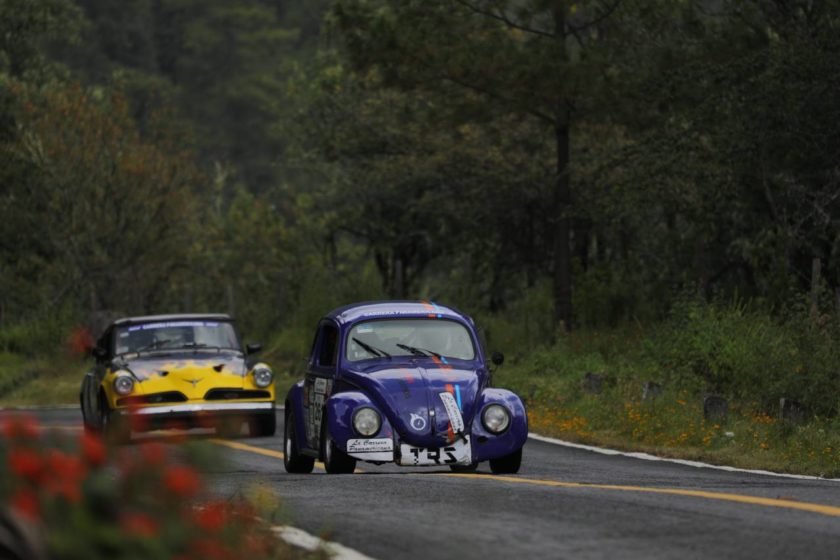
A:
(565, 503)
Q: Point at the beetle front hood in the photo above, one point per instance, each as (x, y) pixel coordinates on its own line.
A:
(411, 398)
(193, 376)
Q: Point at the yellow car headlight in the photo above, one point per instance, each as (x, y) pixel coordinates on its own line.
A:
(124, 383)
(263, 377)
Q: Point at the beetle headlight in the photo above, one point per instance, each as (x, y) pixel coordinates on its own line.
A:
(263, 377)
(123, 384)
(495, 418)
(366, 421)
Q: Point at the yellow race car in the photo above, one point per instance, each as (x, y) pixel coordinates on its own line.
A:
(179, 371)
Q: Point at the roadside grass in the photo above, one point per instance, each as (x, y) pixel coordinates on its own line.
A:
(12, 368)
(44, 381)
(672, 423)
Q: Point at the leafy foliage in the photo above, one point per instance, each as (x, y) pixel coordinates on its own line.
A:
(75, 498)
(89, 204)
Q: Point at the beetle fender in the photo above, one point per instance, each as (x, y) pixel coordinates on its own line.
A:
(340, 408)
(294, 405)
(487, 445)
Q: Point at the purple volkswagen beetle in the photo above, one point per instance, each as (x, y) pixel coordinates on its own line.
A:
(405, 383)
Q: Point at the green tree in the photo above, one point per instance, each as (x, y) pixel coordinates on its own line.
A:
(91, 211)
(534, 58)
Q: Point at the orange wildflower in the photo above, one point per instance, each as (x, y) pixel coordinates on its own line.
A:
(182, 481)
(211, 517)
(139, 524)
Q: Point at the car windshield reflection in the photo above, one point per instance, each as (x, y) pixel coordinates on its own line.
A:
(176, 336)
(434, 338)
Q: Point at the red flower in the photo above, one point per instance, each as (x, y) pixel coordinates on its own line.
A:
(182, 481)
(93, 450)
(80, 341)
(65, 467)
(21, 427)
(153, 453)
(25, 502)
(139, 422)
(26, 464)
(139, 524)
(211, 517)
(66, 473)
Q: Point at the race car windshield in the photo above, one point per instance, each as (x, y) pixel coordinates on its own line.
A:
(438, 338)
(176, 335)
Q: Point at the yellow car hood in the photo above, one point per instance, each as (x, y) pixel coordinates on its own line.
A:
(192, 376)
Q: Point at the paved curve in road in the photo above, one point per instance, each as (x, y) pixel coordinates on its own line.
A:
(565, 503)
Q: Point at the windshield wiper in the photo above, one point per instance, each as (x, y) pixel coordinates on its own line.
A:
(375, 351)
(419, 351)
(154, 345)
(201, 345)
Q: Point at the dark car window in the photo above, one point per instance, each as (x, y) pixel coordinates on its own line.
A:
(105, 342)
(328, 346)
(175, 335)
(405, 337)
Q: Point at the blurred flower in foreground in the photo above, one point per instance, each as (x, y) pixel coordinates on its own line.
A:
(80, 341)
(74, 497)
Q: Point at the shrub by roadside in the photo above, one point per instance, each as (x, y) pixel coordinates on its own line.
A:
(748, 357)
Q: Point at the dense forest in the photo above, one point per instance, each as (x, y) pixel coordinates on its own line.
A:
(573, 165)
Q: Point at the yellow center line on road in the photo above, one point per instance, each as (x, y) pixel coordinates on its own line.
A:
(822, 509)
(832, 511)
(258, 450)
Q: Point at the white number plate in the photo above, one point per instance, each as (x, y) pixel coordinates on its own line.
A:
(457, 453)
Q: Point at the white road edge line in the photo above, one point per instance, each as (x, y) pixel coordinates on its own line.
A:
(648, 457)
(302, 539)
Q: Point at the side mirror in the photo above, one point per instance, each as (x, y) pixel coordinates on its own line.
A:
(497, 358)
(99, 353)
(252, 348)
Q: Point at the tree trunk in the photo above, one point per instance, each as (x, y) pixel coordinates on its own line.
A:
(562, 227)
(398, 291)
(562, 193)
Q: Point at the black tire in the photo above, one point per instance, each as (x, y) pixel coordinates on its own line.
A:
(509, 464)
(89, 426)
(116, 428)
(263, 425)
(293, 460)
(472, 467)
(335, 460)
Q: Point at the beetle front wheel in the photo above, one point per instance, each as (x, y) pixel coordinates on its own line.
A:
(293, 460)
(509, 464)
(335, 460)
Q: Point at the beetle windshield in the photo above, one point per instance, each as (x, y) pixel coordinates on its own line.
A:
(409, 337)
(176, 335)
